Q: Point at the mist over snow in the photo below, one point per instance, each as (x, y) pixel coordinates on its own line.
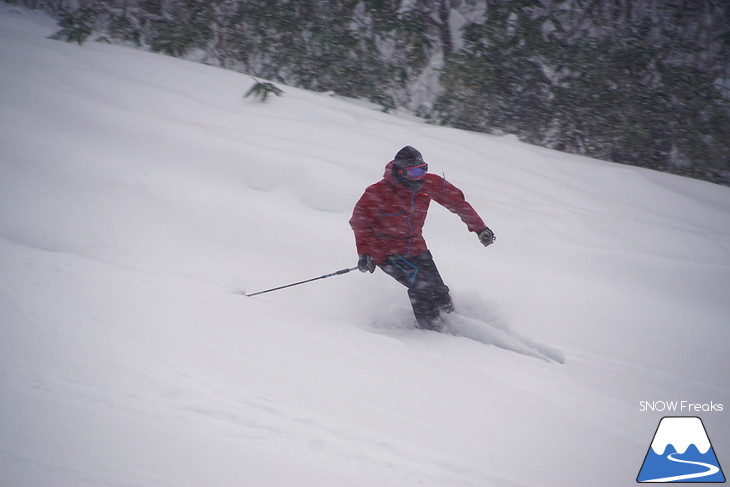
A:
(139, 194)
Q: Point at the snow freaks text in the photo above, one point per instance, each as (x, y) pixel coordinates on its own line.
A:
(682, 407)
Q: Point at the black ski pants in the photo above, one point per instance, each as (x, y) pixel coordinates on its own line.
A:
(426, 290)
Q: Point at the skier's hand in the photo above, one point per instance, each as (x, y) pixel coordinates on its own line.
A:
(487, 237)
(366, 264)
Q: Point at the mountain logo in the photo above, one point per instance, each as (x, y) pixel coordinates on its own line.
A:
(681, 452)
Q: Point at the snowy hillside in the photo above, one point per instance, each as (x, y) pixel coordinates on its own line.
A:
(139, 194)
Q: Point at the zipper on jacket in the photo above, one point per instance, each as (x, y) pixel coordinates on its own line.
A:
(410, 225)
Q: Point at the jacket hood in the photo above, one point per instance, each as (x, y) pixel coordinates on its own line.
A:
(388, 174)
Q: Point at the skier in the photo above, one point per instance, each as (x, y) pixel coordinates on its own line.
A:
(388, 220)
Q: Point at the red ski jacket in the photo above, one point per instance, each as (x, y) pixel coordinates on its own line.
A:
(388, 218)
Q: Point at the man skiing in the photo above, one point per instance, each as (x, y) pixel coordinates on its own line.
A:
(388, 221)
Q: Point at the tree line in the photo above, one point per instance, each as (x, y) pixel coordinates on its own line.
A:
(641, 82)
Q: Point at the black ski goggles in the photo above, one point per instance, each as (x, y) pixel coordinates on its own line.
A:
(415, 173)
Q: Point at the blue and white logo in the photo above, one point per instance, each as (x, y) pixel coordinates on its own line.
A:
(681, 452)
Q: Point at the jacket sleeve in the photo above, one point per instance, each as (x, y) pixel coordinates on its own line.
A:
(452, 198)
(362, 219)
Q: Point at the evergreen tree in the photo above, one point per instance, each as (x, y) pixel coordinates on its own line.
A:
(262, 90)
(76, 26)
(643, 82)
(496, 83)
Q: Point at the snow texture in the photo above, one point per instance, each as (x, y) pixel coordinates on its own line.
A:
(139, 194)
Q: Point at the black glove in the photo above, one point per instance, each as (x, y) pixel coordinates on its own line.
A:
(487, 237)
(366, 264)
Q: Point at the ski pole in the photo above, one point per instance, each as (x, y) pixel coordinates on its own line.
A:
(338, 273)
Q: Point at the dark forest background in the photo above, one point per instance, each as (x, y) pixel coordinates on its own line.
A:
(641, 82)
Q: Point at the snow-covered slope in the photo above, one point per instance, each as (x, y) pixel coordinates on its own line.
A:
(139, 194)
